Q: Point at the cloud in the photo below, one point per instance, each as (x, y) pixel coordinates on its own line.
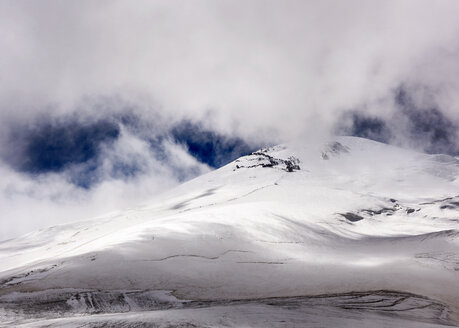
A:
(208, 146)
(259, 65)
(77, 166)
(416, 124)
(355, 123)
(110, 82)
(124, 173)
(54, 146)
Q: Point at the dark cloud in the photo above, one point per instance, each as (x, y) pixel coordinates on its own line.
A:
(78, 148)
(210, 147)
(54, 146)
(413, 123)
(362, 125)
(428, 128)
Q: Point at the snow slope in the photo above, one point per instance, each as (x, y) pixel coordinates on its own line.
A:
(352, 232)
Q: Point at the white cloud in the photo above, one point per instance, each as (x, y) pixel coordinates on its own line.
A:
(258, 62)
(30, 203)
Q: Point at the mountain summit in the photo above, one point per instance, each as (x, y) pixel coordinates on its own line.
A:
(353, 233)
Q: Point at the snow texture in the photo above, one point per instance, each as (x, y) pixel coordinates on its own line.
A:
(352, 234)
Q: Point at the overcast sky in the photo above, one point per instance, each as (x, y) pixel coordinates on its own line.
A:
(248, 72)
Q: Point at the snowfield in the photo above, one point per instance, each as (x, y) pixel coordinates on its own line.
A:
(353, 233)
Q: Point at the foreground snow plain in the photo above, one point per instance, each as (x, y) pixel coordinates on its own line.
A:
(353, 233)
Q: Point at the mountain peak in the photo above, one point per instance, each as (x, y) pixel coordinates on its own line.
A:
(294, 223)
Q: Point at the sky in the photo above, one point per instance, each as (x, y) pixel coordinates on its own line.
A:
(106, 104)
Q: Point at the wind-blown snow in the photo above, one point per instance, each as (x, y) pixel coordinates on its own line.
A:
(351, 217)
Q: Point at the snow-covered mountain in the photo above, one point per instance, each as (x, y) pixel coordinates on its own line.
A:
(353, 233)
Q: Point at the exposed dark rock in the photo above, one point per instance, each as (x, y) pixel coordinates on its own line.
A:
(291, 164)
(352, 216)
(337, 148)
(384, 210)
(449, 207)
(334, 148)
(57, 303)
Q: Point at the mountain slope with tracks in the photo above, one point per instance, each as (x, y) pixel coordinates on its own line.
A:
(351, 233)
